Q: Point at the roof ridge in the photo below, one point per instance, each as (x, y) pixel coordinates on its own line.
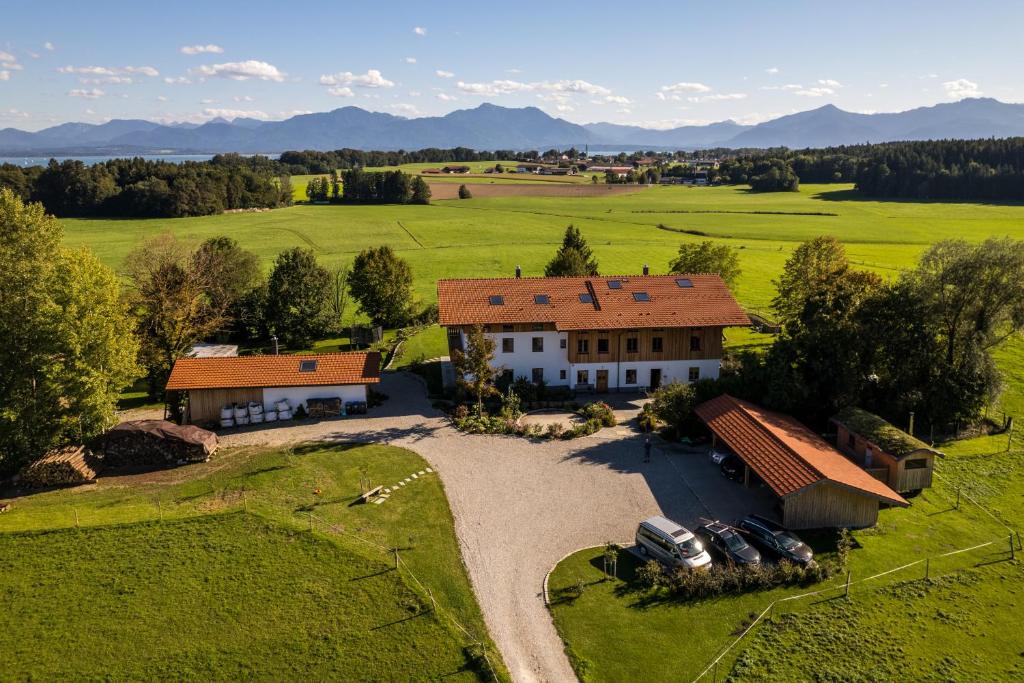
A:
(742, 405)
(573, 277)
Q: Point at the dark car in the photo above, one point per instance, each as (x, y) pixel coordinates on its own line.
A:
(732, 468)
(729, 544)
(777, 539)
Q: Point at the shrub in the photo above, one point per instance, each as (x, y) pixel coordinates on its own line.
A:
(510, 405)
(554, 430)
(600, 412)
(525, 389)
(648, 422)
(464, 192)
(650, 574)
(673, 404)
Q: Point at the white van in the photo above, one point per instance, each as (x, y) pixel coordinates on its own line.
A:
(671, 544)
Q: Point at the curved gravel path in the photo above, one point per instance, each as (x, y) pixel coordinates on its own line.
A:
(518, 506)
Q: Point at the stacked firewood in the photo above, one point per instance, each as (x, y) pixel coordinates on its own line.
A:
(63, 467)
(323, 407)
(156, 443)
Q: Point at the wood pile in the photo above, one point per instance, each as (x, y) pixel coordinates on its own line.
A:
(156, 443)
(64, 467)
(323, 407)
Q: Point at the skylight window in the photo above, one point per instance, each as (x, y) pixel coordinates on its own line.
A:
(684, 282)
(586, 299)
(615, 284)
(541, 299)
(641, 296)
(497, 300)
(307, 366)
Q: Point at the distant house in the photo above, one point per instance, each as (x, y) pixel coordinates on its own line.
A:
(887, 452)
(455, 169)
(555, 170)
(212, 383)
(620, 171)
(816, 485)
(528, 168)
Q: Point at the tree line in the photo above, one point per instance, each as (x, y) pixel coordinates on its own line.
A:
(316, 162)
(150, 189)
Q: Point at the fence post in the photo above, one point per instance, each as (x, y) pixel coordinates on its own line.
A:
(76, 519)
(396, 558)
(1012, 548)
(927, 567)
(160, 508)
(957, 497)
(310, 521)
(848, 573)
(1009, 435)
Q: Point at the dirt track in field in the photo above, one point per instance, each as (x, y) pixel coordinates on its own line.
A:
(450, 190)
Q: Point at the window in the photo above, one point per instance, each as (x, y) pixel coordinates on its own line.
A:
(538, 375)
(615, 284)
(630, 376)
(693, 374)
(916, 464)
(582, 346)
(307, 366)
(563, 343)
(684, 283)
(602, 345)
(695, 343)
(538, 327)
(656, 344)
(586, 299)
(508, 345)
(641, 296)
(561, 374)
(541, 299)
(632, 344)
(496, 300)
(508, 328)
(851, 442)
(582, 377)
(538, 344)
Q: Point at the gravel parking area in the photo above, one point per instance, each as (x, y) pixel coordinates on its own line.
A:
(520, 505)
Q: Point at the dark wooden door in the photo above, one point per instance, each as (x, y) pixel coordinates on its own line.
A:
(655, 378)
(602, 381)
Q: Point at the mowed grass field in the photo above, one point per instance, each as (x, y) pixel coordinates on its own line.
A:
(211, 572)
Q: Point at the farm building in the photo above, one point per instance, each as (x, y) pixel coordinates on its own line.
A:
(885, 451)
(455, 169)
(557, 170)
(212, 383)
(817, 486)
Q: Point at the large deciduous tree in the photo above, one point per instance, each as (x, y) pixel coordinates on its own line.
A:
(297, 298)
(381, 282)
(68, 344)
(707, 257)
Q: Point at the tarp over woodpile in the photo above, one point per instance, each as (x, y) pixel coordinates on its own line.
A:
(157, 443)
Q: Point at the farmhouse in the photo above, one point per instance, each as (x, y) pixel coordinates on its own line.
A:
(817, 486)
(600, 333)
(557, 170)
(212, 383)
(455, 169)
(885, 451)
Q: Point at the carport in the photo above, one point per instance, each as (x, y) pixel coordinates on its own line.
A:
(815, 484)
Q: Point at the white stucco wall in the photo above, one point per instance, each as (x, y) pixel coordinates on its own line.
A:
(297, 395)
(671, 370)
(523, 359)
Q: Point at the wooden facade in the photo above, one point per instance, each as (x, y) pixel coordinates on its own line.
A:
(678, 343)
(912, 472)
(204, 404)
(828, 505)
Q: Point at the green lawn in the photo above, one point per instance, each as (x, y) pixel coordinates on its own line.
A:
(231, 583)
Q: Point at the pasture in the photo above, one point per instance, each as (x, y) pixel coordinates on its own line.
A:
(211, 571)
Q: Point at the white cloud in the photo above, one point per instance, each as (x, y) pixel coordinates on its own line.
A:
(513, 71)
(410, 60)
(176, 80)
(371, 79)
(829, 83)
(445, 97)
(772, 70)
(554, 88)
(565, 108)
(207, 101)
(573, 86)
(295, 112)
(494, 88)
(441, 73)
(420, 31)
(718, 97)
(202, 49)
(883, 85)
(814, 92)
(242, 71)
(685, 87)
(9, 62)
(413, 93)
(88, 94)
(235, 114)
(406, 109)
(242, 98)
(341, 91)
(5, 75)
(961, 88)
(97, 71)
(755, 118)
(161, 98)
(122, 80)
(49, 46)
(617, 99)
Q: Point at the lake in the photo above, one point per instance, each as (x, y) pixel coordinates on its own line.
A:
(90, 160)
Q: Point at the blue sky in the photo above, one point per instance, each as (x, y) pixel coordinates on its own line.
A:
(656, 64)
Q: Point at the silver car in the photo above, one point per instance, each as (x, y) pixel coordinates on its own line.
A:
(671, 544)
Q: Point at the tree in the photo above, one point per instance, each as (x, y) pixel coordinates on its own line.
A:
(673, 404)
(381, 282)
(811, 265)
(707, 257)
(420, 191)
(297, 298)
(473, 366)
(573, 258)
(337, 301)
(464, 192)
(171, 298)
(68, 345)
(234, 271)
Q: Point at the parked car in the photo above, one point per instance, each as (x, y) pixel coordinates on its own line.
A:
(732, 468)
(728, 543)
(777, 539)
(717, 456)
(671, 544)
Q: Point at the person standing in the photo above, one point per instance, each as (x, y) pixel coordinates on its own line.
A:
(647, 449)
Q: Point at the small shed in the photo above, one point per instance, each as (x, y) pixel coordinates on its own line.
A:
(890, 454)
(212, 383)
(817, 486)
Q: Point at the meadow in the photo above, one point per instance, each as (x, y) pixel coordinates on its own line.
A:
(212, 572)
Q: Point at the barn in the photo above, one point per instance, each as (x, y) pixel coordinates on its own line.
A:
(890, 454)
(817, 486)
(212, 383)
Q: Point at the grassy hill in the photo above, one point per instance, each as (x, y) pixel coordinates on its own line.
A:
(211, 572)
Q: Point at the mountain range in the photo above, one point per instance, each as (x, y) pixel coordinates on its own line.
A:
(490, 127)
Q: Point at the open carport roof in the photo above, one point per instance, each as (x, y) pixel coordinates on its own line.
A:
(784, 453)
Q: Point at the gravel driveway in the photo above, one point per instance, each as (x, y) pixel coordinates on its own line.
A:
(520, 506)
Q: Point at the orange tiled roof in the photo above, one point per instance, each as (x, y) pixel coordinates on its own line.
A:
(784, 453)
(274, 371)
(707, 303)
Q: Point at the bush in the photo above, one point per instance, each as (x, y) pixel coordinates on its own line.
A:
(554, 430)
(673, 404)
(464, 192)
(647, 422)
(600, 412)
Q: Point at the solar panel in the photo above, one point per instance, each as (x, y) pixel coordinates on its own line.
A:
(497, 300)
(541, 299)
(615, 284)
(684, 282)
(641, 296)
(307, 366)
(586, 299)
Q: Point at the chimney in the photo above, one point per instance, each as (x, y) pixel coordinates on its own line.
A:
(519, 272)
(910, 429)
(647, 270)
